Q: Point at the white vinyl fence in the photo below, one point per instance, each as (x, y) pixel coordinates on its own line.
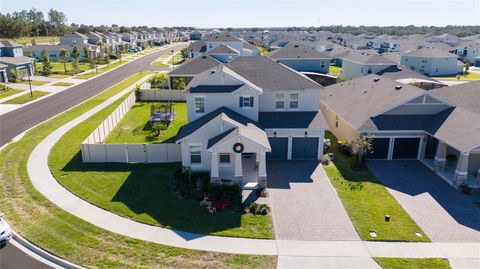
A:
(162, 95)
(95, 151)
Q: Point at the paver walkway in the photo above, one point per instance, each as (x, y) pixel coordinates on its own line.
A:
(443, 213)
(305, 206)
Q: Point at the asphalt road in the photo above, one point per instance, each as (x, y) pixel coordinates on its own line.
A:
(23, 118)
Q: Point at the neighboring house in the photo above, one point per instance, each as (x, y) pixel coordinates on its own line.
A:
(191, 68)
(129, 37)
(223, 53)
(448, 39)
(94, 38)
(195, 35)
(361, 63)
(73, 38)
(3, 73)
(432, 62)
(407, 122)
(244, 48)
(245, 112)
(405, 75)
(54, 51)
(11, 58)
(196, 49)
(301, 57)
(469, 50)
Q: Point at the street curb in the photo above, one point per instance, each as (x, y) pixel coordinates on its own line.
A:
(44, 254)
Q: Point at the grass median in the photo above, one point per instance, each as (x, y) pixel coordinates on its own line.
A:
(367, 202)
(25, 98)
(401, 263)
(44, 224)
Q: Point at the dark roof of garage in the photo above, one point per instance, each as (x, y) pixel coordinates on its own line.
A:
(272, 120)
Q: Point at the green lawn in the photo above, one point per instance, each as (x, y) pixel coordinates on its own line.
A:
(101, 70)
(398, 263)
(135, 129)
(41, 222)
(58, 76)
(470, 76)
(143, 192)
(38, 39)
(5, 92)
(25, 98)
(64, 84)
(335, 70)
(367, 202)
(34, 82)
(159, 63)
(59, 69)
(178, 59)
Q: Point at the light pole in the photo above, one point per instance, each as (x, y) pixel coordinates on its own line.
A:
(30, 83)
(173, 59)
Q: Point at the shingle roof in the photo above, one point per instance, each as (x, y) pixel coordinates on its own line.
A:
(215, 88)
(74, 35)
(268, 74)
(223, 49)
(466, 95)
(8, 43)
(249, 46)
(16, 60)
(197, 46)
(193, 126)
(368, 57)
(214, 140)
(272, 120)
(196, 66)
(429, 53)
(297, 51)
(249, 131)
(361, 98)
(222, 38)
(396, 73)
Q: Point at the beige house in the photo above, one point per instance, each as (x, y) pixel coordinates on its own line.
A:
(439, 127)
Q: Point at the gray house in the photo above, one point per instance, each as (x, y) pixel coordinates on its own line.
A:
(361, 63)
(54, 51)
(432, 62)
(73, 38)
(407, 122)
(301, 57)
(245, 112)
(193, 67)
(11, 58)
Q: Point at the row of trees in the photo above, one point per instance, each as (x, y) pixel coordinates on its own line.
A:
(32, 23)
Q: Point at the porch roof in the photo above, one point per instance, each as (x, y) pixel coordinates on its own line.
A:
(249, 132)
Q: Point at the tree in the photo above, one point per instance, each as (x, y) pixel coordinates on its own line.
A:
(47, 64)
(57, 20)
(118, 53)
(64, 55)
(159, 81)
(360, 146)
(179, 84)
(76, 56)
(184, 53)
(18, 74)
(86, 54)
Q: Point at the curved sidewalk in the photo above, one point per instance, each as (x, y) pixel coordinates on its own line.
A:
(48, 186)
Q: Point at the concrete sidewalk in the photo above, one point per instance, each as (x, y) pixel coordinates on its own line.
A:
(47, 185)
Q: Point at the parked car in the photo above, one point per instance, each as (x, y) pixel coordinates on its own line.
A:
(5, 231)
(132, 50)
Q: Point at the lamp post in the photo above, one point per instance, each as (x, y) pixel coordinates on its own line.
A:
(173, 59)
(30, 83)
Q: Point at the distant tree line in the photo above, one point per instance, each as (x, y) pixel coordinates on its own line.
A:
(32, 23)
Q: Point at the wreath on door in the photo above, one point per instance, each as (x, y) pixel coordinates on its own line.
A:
(238, 148)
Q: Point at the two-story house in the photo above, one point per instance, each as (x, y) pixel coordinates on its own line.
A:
(226, 41)
(432, 62)
(361, 63)
(469, 50)
(73, 38)
(11, 58)
(245, 112)
(302, 58)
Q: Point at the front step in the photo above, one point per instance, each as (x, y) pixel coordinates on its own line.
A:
(250, 186)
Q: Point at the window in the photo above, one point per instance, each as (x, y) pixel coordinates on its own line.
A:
(224, 158)
(246, 101)
(361, 70)
(199, 105)
(369, 70)
(336, 121)
(279, 100)
(293, 102)
(195, 154)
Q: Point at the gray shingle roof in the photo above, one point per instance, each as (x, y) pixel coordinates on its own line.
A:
(196, 66)
(8, 43)
(466, 95)
(397, 73)
(223, 49)
(297, 51)
(268, 74)
(272, 120)
(368, 57)
(429, 53)
(16, 60)
(221, 38)
(74, 35)
(197, 46)
(215, 88)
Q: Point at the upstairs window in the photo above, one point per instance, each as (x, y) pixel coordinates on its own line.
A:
(293, 102)
(246, 101)
(279, 100)
(199, 105)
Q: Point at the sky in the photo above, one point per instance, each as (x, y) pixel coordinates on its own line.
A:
(258, 13)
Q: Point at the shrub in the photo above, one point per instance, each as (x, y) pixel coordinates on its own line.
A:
(355, 163)
(451, 158)
(230, 193)
(325, 159)
(258, 209)
(189, 184)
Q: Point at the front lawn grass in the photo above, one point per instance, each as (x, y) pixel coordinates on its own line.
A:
(367, 202)
(177, 59)
(49, 227)
(142, 192)
(59, 69)
(101, 70)
(469, 76)
(134, 127)
(58, 76)
(7, 91)
(407, 263)
(63, 84)
(159, 63)
(25, 98)
(34, 82)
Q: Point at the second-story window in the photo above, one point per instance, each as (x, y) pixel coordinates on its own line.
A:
(293, 102)
(200, 104)
(246, 101)
(279, 100)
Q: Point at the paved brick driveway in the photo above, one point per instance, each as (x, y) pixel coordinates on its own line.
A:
(443, 213)
(305, 206)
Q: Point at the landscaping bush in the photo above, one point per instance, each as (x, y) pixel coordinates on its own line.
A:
(258, 209)
(325, 159)
(190, 184)
(230, 193)
(355, 163)
(343, 148)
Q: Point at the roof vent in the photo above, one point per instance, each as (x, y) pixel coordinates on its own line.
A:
(376, 79)
(204, 56)
(398, 87)
(296, 46)
(365, 91)
(213, 72)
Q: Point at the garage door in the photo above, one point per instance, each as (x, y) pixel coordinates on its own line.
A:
(380, 148)
(279, 147)
(405, 148)
(304, 148)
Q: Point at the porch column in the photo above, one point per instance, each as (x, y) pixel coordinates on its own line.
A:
(461, 171)
(320, 145)
(214, 166)
(238, 165)
(262, 171)
(440, 157)
(289, 148)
